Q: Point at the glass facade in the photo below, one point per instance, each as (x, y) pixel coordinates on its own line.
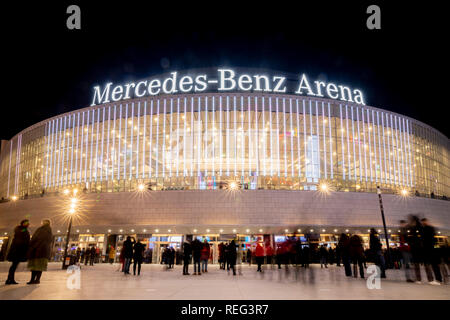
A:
(209, 141)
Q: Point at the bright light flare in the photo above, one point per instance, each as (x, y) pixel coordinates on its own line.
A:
(233, 186)
(404, 192)
(141, 187)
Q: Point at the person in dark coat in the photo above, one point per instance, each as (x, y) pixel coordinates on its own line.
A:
(323, 252)
(344, 250)
(431, 257)
(39, 251)
(376, 248)
(18, 250)
(172, 257)
(187, 251)
(93, 255)
(221, 255)
(356, 252)
(83, 251)
(331, 255)
(305, 256)
(232, 256)
(127, 254)
(87, 255)
(196, 254)
(78, 255)
(138, 256)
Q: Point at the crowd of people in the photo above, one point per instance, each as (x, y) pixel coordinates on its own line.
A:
(417, 247)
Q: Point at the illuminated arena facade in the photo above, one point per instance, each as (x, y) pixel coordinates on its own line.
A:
(212, 163)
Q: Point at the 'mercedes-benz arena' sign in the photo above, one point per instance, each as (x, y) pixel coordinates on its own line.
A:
(226, 80)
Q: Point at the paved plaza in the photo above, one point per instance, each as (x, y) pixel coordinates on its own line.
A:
(103, 281)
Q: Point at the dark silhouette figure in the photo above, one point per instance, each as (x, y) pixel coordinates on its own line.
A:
(232, 256)
(376, 249)
(187, 251)
(344, 249)
(356, 251)
(128, 254)
(196, 254)
(138, 256)
(18, 250)
(430, 255)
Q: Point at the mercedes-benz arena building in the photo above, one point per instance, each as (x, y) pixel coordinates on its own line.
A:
(253, 164)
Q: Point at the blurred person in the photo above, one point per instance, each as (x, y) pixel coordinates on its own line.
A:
(323, 253)
(18, 249)
(78, 254)
(331, 255)
(430, 255)
(204, 255)
(171, 257)
(127, 254)
(93, 255)
(405, 250)
(415, 242)
(232, 256)
(39, 251)
(344, 249)
(97, 255)
(249, 256)
(356, 253)
(121, 260)
(222, 255)
(376, 248)
(338, 255)
(306, 252)
(279, 254)
(82, 255)
(259, 255)
(138, 256)
(112, 255)
(87, 254)
(269, 254)
(445, 265)
(227, 255)
(196, 254)
(187, 251)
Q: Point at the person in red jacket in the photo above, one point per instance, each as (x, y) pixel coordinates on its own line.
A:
(259, 254)
(204, 255)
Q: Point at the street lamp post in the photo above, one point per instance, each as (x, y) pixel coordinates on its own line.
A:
(73, 202)
(384, 226)
(64, 266)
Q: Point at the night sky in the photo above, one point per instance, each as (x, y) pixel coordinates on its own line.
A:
(51, 70)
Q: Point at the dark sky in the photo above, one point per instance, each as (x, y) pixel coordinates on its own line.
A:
(51, 70)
